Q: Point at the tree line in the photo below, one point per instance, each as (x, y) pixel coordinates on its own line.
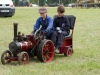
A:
(43, 2)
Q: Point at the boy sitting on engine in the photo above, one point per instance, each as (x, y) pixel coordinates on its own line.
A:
(62, 28)
(45, 22)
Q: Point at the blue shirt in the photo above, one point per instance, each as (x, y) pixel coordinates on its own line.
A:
(46, 24)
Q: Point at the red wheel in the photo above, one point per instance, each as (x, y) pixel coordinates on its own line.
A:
(45, 51)
(69, 52)
(23, 58)
(5, 57)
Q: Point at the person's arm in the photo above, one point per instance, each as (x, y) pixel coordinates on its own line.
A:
(66, 27)
(37, 24)
(54, 24)
(50, 24)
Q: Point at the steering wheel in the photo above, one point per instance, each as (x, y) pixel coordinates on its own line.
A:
(39, 35)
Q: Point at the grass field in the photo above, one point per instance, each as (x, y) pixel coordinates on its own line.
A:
(85, 59)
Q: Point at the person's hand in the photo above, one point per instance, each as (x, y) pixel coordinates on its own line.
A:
(44, 32)
(59, 31)
(58, 28)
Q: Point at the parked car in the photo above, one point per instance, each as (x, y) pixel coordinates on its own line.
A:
(54, 4)
(7, 8)
(34, 5)
(72, 5)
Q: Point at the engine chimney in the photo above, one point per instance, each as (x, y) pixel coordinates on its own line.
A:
(15, 31)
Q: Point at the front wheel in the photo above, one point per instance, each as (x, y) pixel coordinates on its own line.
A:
(23, 58)
(5, 57)
(45, 51)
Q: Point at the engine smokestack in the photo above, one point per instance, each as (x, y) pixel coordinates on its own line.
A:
(15, 31)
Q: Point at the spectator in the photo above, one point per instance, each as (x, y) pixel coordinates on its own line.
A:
(21, 2)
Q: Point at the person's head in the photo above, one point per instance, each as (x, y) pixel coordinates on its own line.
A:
(60, 10)
(43, 12)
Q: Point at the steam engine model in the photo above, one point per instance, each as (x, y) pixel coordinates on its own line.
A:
(25, 46)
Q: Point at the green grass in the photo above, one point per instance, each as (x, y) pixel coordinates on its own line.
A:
(85, 59)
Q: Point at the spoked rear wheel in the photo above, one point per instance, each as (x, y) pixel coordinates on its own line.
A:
(5, 57)
(45, 51)
(69, 52)
(23, 58)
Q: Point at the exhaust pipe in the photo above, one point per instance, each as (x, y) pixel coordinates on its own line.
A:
(15, 31)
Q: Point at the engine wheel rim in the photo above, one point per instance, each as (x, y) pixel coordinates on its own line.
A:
(69, 52)
(5, 57)
(48, 51)
(23, 58)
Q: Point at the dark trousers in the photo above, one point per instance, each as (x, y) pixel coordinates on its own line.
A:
(57, 38)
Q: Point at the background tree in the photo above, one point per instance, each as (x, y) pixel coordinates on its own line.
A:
(42, 2)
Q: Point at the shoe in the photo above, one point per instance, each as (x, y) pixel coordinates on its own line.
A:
(56, 50)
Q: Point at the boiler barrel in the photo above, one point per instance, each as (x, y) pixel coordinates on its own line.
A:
(20, 46)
